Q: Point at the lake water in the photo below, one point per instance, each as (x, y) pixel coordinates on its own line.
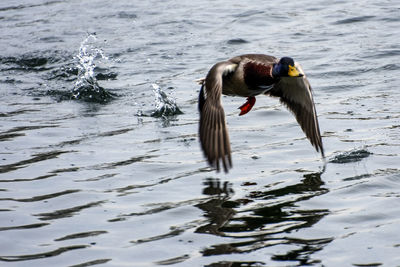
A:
(100, 161)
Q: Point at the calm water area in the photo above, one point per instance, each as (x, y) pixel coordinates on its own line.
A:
(100, 163)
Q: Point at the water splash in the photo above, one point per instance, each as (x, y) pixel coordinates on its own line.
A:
(351, 156)
(165, 105)
(86, 87)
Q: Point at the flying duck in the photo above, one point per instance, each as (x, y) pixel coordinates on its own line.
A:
(248, 76)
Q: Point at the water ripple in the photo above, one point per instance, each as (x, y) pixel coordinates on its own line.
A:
(113, 165)
(17, 112)
(159, 208)
(16, 131)
(22, 227)
(174, 260)
(90, 263)
(29, 6)
(43, 197)
(354, 20)
(81, 235)
(46, 254)
(36, 158)
(28, 179)
(64, 213)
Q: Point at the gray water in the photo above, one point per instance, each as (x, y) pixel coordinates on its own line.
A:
(100, 161)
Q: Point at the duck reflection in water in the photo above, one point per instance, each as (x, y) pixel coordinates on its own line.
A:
(216, 209)
(261, 226)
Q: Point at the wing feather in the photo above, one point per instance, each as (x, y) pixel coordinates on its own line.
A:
(296, 95)
(213, 132)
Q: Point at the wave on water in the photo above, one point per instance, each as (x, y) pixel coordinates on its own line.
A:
(87, 87)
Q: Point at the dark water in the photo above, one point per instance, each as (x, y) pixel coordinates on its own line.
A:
(100, 162)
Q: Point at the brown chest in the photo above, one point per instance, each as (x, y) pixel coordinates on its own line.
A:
(256, 75)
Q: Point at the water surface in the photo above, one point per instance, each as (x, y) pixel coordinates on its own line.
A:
(100, 161)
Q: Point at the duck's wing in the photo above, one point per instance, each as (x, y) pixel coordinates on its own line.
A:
(296, 94)
(259, 58)
(213, 132)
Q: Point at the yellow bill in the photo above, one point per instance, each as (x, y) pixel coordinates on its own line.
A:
(294, 72)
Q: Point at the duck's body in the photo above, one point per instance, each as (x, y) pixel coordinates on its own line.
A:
(251, 76)
(248, 76)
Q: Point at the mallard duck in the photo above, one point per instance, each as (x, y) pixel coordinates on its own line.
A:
(248, 76)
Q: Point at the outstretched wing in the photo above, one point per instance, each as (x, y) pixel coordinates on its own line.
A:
(213, 132)
(296, 94)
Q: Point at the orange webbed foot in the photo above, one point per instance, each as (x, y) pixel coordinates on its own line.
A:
(246, 107)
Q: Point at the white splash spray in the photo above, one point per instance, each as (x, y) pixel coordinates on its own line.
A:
(164, 105)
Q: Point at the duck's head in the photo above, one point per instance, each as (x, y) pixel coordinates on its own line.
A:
(286, 67)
